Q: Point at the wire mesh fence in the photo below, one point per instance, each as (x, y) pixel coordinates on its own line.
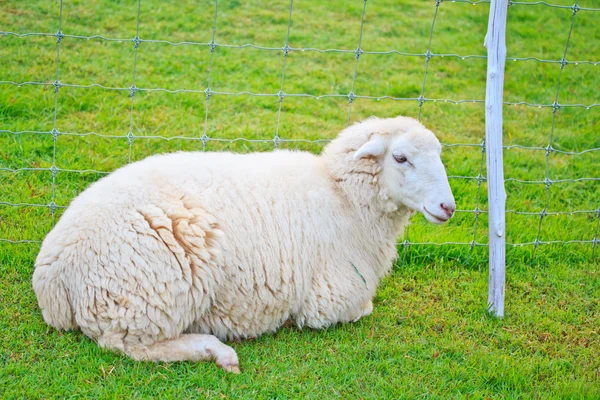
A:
(579, 213)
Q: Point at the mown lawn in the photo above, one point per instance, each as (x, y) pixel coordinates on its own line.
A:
(430, 335)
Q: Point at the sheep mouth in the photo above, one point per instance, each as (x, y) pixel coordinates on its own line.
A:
(434, 218)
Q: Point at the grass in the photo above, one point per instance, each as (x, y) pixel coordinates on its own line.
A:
(429, 336)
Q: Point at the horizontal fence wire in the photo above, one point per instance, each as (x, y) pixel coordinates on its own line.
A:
(280, 94)
(313, 141)
(306, 95)
(209, 93)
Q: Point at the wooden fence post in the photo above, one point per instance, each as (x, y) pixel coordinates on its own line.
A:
(495, 42)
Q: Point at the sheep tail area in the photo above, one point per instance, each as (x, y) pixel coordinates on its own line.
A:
(53, 297)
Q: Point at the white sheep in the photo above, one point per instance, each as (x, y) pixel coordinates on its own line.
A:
(167, 256)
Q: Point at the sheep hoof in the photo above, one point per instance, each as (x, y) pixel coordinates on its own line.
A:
(226, 358)
(229, 364)
(232, 368)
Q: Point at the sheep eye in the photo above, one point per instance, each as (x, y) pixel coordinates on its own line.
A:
(400, 159)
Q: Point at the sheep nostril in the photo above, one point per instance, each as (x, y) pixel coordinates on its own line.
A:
(448, 209)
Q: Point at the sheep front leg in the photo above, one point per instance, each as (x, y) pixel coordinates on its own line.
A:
(188, 347)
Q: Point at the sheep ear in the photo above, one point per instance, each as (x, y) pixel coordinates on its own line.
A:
(373, 148)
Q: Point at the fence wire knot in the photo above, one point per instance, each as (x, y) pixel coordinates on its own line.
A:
(438, 2)
(130, 137)
(482, 146)
(406, 243)
(543, 213)
(286, 50)
(54, 170)
(351, 97)
(212, 45)
(536, 243)
(575, 9)
(548, 183)
(136, 42)
(281, 95)
(57, 85)
(563, 61)
(477, 211)
(358, 52)
(133, 90)
(428, 54)
(480, 179)
(204, 140)
(59, 36)
(208, 93)
(421, 99)
(52, 207)
(55, 134)
(555, 107)
(276, 140)
(549, 149)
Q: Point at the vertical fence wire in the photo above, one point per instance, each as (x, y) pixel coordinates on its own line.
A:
(208, 91)
(357, 53)
(133, 89)
(421, 100)
(281, 94)
(555, 108)
(477, 211)
(55, 132)
(428, 56)
(595, 241)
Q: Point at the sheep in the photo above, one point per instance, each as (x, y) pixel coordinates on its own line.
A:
(167, 258)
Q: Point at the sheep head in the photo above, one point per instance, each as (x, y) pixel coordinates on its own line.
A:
(411, 170)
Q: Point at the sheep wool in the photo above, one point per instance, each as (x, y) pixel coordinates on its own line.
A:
(167, 257)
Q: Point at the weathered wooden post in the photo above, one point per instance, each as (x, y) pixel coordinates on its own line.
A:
(495, 42)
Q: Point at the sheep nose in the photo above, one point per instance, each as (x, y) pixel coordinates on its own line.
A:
(448, 208)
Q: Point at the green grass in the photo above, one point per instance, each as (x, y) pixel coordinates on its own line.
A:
(429, 336)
